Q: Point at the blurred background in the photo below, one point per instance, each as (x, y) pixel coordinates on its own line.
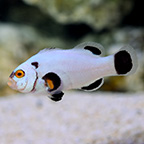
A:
(27, 26)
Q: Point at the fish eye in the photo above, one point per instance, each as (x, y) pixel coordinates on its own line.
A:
(19, 73)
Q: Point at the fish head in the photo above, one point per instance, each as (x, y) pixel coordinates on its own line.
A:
(23, 78)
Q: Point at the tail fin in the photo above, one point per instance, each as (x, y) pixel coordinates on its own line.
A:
(125, 61)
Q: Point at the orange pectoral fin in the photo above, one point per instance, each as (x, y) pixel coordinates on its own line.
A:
(50, 84)
(52, 81)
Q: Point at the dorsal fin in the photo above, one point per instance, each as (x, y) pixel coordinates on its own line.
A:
(47, 49)
(93, 47)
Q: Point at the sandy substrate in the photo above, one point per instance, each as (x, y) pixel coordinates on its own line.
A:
(80, 118)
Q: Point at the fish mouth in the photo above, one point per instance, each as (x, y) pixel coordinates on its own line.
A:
(35, 82)
(12, 83)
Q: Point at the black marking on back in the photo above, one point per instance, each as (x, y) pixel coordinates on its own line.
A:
(93, 49)
(94, 85)
(54, 78)
(57, 97)
(123, 62)
(36, 64)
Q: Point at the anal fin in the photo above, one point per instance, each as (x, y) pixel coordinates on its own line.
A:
(94, 86)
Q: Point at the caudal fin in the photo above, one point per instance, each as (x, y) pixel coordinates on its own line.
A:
(125, 61)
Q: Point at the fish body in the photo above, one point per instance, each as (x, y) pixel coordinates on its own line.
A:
(83, 67)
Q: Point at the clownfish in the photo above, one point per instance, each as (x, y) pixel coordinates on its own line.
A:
(83, 67)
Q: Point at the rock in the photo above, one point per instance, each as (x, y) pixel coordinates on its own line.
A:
(83, 118)
(99, 14)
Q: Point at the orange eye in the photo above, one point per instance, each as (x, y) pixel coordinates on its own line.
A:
(19, 73)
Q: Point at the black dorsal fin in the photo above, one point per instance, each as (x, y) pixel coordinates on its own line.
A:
(93, 47)
(94, 86)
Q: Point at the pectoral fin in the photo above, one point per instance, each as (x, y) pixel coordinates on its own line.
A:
(50, 84)
(95, 85)
(52, 81)
(57, 97)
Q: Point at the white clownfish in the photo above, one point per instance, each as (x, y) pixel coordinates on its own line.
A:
(83, 67)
